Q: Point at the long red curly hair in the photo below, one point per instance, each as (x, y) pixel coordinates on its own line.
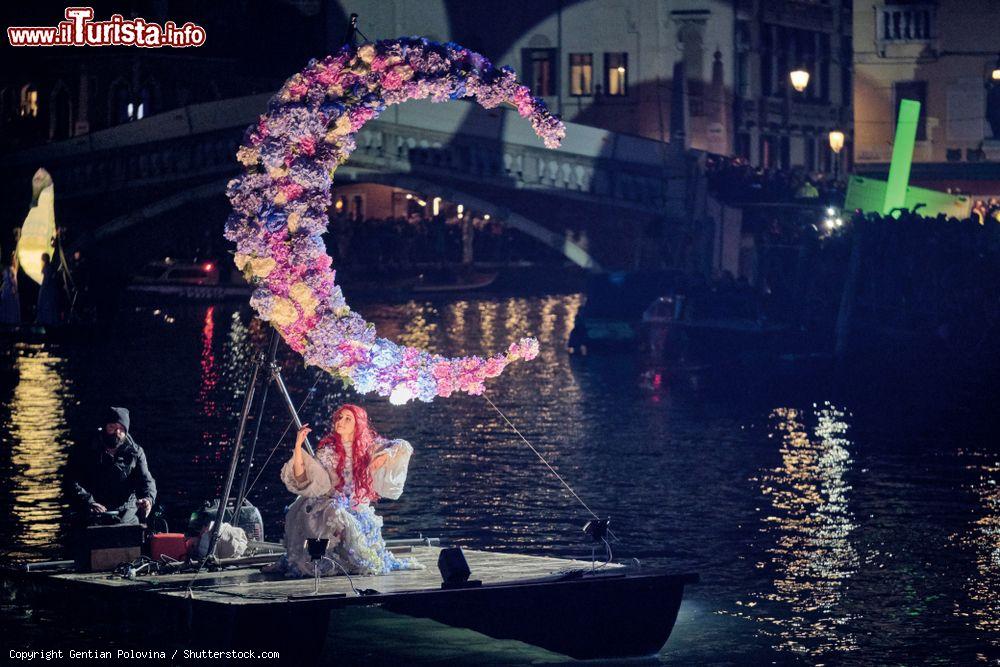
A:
(362, 448)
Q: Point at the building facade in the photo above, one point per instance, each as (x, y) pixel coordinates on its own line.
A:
(706, 74)
(776, 125)
(711, 75)
(942, 54)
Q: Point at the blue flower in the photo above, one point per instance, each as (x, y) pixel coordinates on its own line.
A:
(364, 379)
(273, 219)
(332, 109)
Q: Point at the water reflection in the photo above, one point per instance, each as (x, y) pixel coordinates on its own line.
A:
(418, 330)
(983, 540)
(809, 554)
(39, 440)
(209, 373)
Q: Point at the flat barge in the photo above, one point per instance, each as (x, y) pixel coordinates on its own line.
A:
(567, 606)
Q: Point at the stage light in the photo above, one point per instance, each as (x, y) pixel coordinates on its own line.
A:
(454, 569)
(316, 548)
(597, 529)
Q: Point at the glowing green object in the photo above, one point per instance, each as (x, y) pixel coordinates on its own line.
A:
(902, 155)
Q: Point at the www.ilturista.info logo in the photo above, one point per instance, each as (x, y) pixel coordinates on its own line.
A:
(79, 29)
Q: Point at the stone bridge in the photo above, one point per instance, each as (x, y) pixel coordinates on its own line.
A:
(610, 185)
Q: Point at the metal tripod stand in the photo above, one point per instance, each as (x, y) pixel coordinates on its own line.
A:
(265, 361)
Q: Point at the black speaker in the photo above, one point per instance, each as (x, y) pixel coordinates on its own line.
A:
(454, 569)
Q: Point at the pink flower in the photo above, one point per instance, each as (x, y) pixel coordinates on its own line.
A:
(494, 366)
(307, 145)
(292, 190)
(523, 101)
(330, 76)
(360, 116)
(392, 80)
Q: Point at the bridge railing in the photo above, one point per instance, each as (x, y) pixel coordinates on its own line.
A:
(457, 139)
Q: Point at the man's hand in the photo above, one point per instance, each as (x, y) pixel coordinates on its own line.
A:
(144, 506)
(97, 508)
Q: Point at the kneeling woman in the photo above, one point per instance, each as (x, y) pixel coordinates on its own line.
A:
(353, 468)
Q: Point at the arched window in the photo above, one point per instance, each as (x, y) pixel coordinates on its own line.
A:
(8, 104)
(29, 101)
(121, 108)
(60, 113)
(149, 99)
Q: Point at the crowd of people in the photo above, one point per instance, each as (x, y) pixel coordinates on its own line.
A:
(940, 272)
(735, 180)
(403, 243)
(936, 277)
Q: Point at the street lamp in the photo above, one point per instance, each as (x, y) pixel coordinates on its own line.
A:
(800, 79)
(836, 145)
(836, 141)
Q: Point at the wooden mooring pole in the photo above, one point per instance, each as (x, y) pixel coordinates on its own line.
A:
(845, 314)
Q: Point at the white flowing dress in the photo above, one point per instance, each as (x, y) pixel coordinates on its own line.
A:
(354, 530)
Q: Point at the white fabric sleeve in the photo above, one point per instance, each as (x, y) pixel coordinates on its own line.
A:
(317, 479)
(388, 480)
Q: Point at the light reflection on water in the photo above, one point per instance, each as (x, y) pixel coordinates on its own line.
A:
(39, 441)
(983, 541)
(806, 526)
(809, 554)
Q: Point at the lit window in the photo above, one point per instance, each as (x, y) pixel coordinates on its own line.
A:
(540, 65)
(581, 74)
(130, 111)
(141, 110)
(29, 101)
(616, 73)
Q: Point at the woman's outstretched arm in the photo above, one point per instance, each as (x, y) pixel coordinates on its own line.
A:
(302, 474)
(298, 462)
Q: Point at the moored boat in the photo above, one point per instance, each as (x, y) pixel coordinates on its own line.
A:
(189, 281)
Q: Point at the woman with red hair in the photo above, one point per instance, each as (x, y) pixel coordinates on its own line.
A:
(353, 467)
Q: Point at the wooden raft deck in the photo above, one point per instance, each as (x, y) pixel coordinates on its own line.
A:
(248, 586)
(553, 603)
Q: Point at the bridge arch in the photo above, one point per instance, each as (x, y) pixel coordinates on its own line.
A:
(348, 174)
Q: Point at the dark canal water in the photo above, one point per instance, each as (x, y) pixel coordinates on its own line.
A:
(831, 524)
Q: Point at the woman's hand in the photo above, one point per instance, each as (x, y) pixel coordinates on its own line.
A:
(301, 435)
(379, 461)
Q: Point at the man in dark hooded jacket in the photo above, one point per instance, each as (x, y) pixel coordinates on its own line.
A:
(111, 474)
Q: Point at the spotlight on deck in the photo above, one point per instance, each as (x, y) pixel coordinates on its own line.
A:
(597, 529)
(454, 569)
(316, 548)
